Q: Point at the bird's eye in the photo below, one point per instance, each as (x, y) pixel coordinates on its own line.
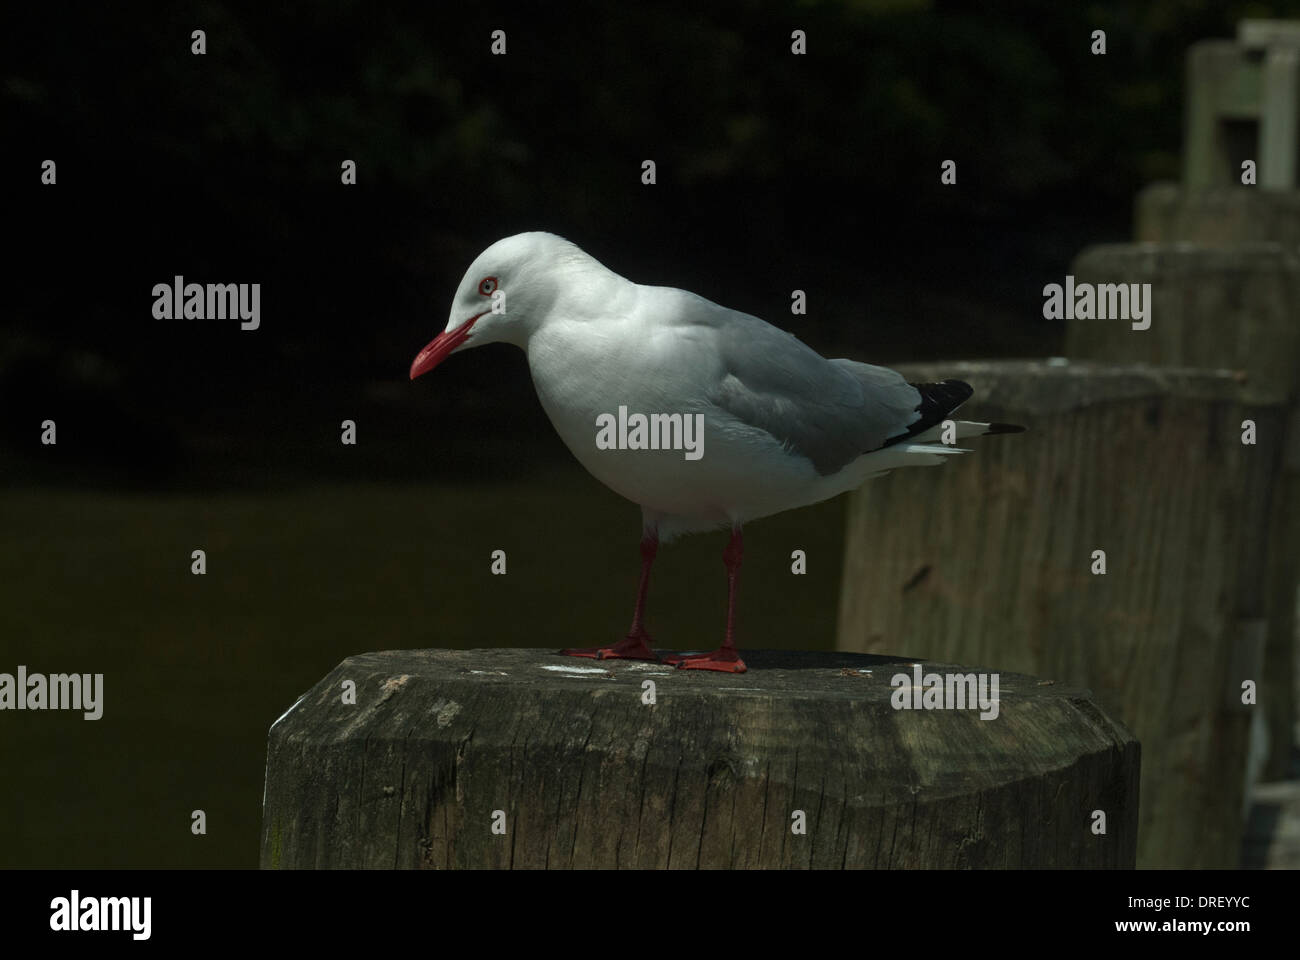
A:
(487, 285)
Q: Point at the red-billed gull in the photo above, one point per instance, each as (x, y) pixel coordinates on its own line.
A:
(706, 417)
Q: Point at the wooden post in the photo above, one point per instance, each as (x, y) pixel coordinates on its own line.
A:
(994, 560)
(1223, 259)
(1220, 217)
(1243, 103)
(1211, 307)
(1234, 305)
(526, 759)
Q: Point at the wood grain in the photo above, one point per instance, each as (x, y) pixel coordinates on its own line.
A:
(1225, 283)
(589, 776)
(1143, 463)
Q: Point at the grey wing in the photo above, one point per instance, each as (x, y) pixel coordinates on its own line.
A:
(830, 411)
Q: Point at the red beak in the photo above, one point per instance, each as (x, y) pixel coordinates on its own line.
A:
(441, 345)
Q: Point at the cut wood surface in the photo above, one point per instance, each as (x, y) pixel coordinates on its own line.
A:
(1219, 217)
(990, 560)
(1212, 308)
(715, 773)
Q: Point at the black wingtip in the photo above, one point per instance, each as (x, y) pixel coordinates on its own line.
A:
(1003, 428)
(937, 401)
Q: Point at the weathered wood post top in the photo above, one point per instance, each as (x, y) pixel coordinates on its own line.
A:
(524, 759)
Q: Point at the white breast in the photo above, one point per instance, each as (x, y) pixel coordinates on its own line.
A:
(583, 370)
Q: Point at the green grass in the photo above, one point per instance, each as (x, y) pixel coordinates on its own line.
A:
(197, 668)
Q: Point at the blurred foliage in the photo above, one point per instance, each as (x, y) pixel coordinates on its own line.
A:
(774, 171)
(714, 93)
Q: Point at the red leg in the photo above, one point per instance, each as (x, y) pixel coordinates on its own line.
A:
(636, 645)
(725, 658)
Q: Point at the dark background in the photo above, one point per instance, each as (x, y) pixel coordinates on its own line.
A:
(775, 172)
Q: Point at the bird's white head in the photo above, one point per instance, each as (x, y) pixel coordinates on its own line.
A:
(509, 289)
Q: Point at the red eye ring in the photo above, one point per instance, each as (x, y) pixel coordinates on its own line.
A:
(487, 285)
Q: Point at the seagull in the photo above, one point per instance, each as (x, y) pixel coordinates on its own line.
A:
(706, 417)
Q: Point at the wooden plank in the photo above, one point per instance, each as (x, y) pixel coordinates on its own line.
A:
(990, 561)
